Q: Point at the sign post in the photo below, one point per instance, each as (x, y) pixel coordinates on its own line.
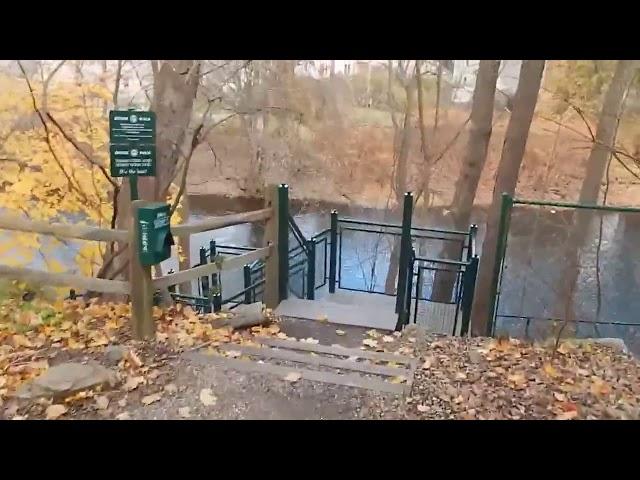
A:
(132, 151)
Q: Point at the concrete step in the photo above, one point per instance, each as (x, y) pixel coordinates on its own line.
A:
(376, 316)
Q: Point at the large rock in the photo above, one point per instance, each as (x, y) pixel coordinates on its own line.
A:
(114, 353)
(615, 343)
(66, 379)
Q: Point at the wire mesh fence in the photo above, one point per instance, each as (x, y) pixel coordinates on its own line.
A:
(570, 270)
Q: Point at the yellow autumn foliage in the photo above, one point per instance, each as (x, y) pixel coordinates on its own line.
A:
(43, 176)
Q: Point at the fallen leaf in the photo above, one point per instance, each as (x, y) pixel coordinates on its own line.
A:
(517, 378)
(133, 359)
(598, 387)
(550, 370)
(102, 402)
(292, 377)
(124, 415)
(282, 335)
(561, 397)
(149, 399)
(412, 340)
(427, 364)
(20, 341)
(75, 345)
(353, 359)
(132, 383)
(372, 333)
(207, 397)
(567, 415)
(388, 339)
(184, 412)
(423, 408)
(233, 353)
(170, 388)
(340, 332)
(311, 340)
(99, 341)
(461, 376)
(398, 379)
(323, 319)
(122, 402)
(370, 343)
(56, 410)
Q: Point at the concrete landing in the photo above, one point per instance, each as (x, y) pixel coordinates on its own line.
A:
(365, 310)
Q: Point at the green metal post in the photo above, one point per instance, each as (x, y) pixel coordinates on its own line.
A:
(333, 251)
(133, 187)
(473, 231)
(503, 231)
(311, 268)
(217, 302)
(283, 241)
(468, 289)
(204, 281)
(247, 283)
(405, 250)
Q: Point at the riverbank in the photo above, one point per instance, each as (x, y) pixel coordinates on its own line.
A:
(353, 164)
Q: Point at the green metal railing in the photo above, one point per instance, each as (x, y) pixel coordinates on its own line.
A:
(527, 318)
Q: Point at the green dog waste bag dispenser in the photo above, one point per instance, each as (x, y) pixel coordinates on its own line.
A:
(155, 237)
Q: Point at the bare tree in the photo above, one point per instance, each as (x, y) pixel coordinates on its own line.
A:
(603, 143)
(401, 143)
(515, 142)
(475, 157)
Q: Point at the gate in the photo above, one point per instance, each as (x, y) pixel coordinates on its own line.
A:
(362, 252)
(567, 269)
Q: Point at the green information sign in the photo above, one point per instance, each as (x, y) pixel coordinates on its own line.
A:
(133, 144)
(137, 160)
(132, 126)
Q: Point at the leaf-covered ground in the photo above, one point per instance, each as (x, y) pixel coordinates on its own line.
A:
(480, 378)
(458, 378)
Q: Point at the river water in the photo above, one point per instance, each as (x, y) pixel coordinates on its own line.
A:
(608, 282)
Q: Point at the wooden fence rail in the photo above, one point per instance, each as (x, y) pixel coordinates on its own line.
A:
(141, 286)
(221, 222)
(80, 232)
(194, 273)
(64, 279)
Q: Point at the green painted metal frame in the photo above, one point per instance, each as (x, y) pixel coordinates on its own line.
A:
(283, 241)
(404, 261)
(333, 250)
(506, 208)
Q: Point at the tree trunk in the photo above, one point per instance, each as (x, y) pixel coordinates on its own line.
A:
(185, 245)
(513, 149)
(467, 183)
(590, 191)
(174, 92)
(400, 185)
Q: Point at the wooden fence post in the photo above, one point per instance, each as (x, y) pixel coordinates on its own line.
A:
(141, 283)
(271, 273)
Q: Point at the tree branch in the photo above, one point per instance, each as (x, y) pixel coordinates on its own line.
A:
(84, 154)
(72, 187)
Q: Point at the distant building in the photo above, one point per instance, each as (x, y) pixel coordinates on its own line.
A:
(322, 68)
(462, 78)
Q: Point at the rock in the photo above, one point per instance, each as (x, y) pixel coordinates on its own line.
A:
(475, 356)
(66, 379)
(615, 343)
(114, 353)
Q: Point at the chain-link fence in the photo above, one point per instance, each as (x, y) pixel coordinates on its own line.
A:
(568, 270)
